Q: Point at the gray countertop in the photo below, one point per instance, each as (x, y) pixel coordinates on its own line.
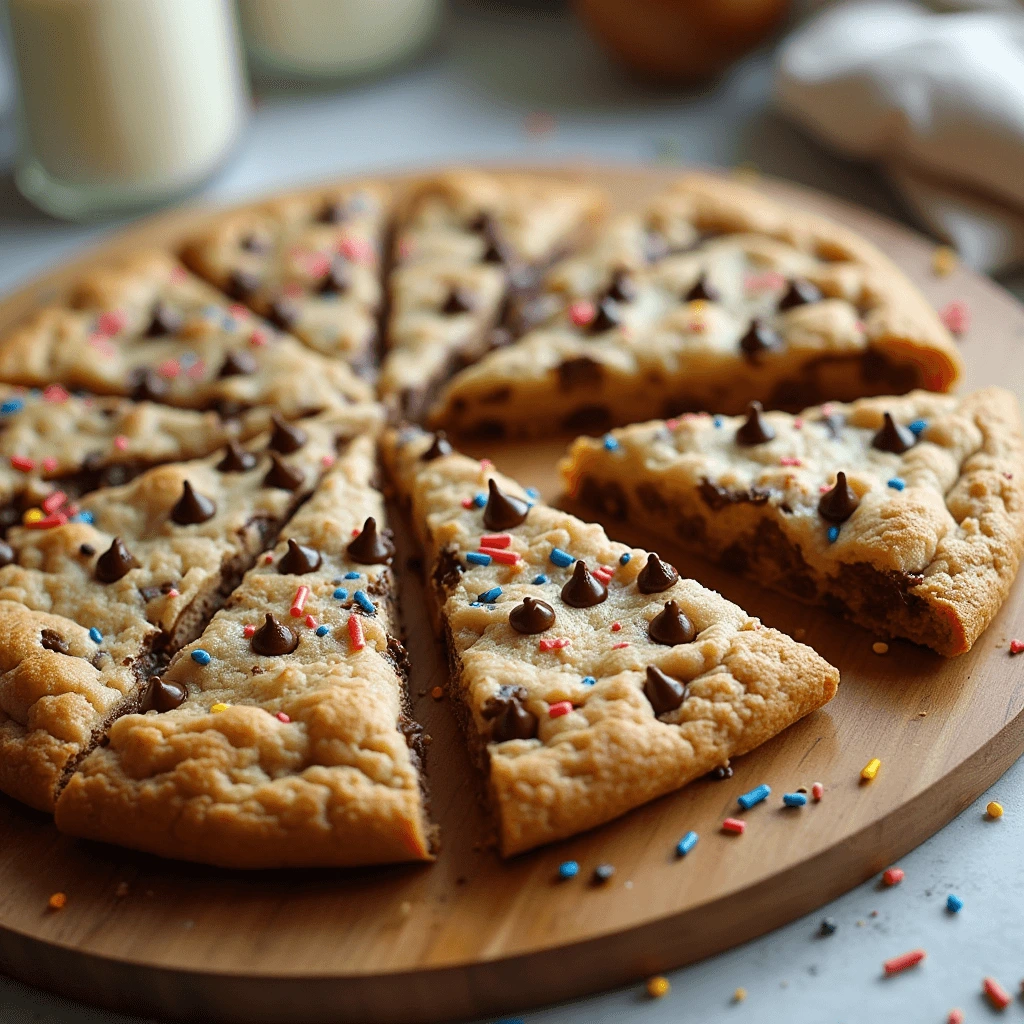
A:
(467, 99)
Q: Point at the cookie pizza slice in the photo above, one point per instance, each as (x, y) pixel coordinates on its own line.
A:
(469, 247)
(905, 514)
(148, 329)
(137, 570)
(589, 677)
(281, 737)
(712, 297)
(308, 262)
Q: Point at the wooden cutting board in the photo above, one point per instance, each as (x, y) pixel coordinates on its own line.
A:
(471, 935)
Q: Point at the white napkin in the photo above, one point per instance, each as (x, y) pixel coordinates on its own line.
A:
(934, 93)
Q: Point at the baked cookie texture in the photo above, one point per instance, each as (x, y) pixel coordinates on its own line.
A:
(301, 758)
(309, 262)
(137, 570)
(714, 296)
(147, 329)
(589, 677)
(922, 541)
(469, 247)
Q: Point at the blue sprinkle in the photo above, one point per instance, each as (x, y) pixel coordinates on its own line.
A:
(588, 680)
(489, 596)
(475, 604)
(478, 558)
(532, 492)
(717, 422)
(610, 444)
(686, 844)
(201, 657)
(351, 575)
(833, 534)
(568, 869)
(919, 426)
(954, 904)
(82, 517)
(188, 359)
(539, 579)
(11, 405)
(341, 594)
(897, 484)
(364, 602)
(754, 797)
(480, 500)
(794, 799)
(562, 558)
(623, 559)
(95, 635)
(322, 630)
(212, 313)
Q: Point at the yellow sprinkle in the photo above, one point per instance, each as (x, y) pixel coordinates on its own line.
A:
(57, 901)
(995, 810)
(699, 306)
(33, 515)
(739, 995)
(880, 648)
(658, 986)
(218, 708)
(870, 770)
(944, 261)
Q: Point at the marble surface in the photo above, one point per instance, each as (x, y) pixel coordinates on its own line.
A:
(468, 98)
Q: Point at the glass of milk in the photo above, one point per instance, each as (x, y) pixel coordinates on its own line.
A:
(123, 103)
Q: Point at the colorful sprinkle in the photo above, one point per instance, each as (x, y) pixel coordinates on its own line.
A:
(588, 681)
(489, 596)
(23, 463)
(955, 1017)
(437, 693)
(480, 500)
(553, 644)
(623, 559)
(754, 797)
(790, 460)
(95, 635)
(686, 844)
(658, 987)
(893, 876)
(619, 646)
(568, 869)
(561, 558)
(559, 708)
(994, 810)
(310, 622)
(341, 594)
(299, 601)
(918, 426)
(364, 602)
(903, 961)
(495, 540)
(352, 575)
(53, 501)
(956, 316)
(954, 904)
(532, 492)
(817, 791)
(282, 717)
(610, 444)
(502, 557)
(1016, 646)
(219, 707)
(794, 799)
(603, 873)
(248, 630)
(581, 313)
(735, 825)
(944, 261)
(201, 657)
(616, 626)
(997, 995)
(82, 517)
(12, 405)
(478, 558)
(833, 534)
(355, 633)
(870, 770)
(57, 901)
(539, 579)
(897, 484)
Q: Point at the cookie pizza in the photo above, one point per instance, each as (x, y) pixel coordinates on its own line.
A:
(905, 514)
(310, 263)
(281, 737)
(93, 601)
(469, 247)
(589, 676)
(714, 296)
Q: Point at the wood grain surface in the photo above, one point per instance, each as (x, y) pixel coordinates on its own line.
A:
(472, 936)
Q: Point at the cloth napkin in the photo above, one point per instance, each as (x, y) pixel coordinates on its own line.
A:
(936, 94)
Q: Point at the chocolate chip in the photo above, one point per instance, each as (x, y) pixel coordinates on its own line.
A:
(439, 448)
(703, 290)
(656, 576)
(115, 562)
(495, 250)
(192, 507)
(283, 313)
(84, 549)
(800, 293)
(148, 385)
(532, 616)
(503, 511)
(255, 243)
(238, 364)
(759, 338)
(338, 278)
(163, 695)
(583, 589)
(53, 641)
(242, 284)
(582, 371)
(664, 692)
(283, 476)
(607, 317)
(459, 300)
(333, 211)
(299, 559)
(671, 626)
(236, 459)
(509, 718)
(623, 287)
(164, 320)
(371, 547)
(755, 430)
(7, 553)
(273, 638)
(285, 437)
(893, 437)
(838, 504)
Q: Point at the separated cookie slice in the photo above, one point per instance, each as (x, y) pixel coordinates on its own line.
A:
(148, 329)
(309, 262)
(904, 513)
(589, 676)
(280, 738)
(712, 297)
(469, 247)
(137, 570)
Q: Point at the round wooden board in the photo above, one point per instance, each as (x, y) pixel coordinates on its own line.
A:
(471, 935)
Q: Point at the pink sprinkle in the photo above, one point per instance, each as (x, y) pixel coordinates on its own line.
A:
(22, 462)
(196, 370)
(735, 825)
(486, 464)
(823, 488)
(111, 322)
(258, 338)
(248, 630)
(1016, 646)
(121, 443)
(53, 501)
(696, 326)
(581, 313)
(311, 622)
(173, 593)
(282, 717)
(893, 876)
(49, 464)
(798, 423)
(559, 708)
(553, 644)
(616, 626)
(169, 368)
(764, 281)
(102, 345)
(495, 540)
(318, 265)
(355, 633)
(356, 531)
(268, 558)
(300, 601)
(956, 316)
(790, 460)
(357, 250)
(405, 248)
(672, 424)
(619, 646)
(817, 791)
(327, 461)
(467, 502)
(1009, 476)
(238, 311)
(505, 557)
(955, 1017)
(55, 393)
(178, 274)
(602, 574)
(997, 995)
